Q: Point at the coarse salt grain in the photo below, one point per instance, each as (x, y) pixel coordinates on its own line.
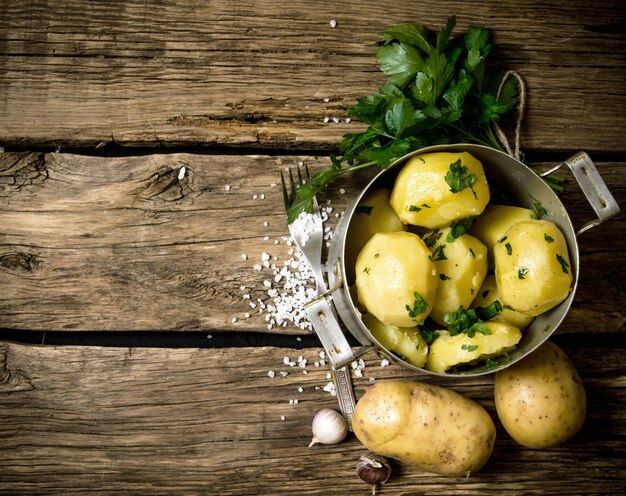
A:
(227, 187)
(333, 23)
(271, 374)
(282, 417)
(181, 173)
(384, 362)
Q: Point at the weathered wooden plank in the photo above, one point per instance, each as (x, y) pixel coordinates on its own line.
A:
(263, 73)
(93, 243)
(165, 421)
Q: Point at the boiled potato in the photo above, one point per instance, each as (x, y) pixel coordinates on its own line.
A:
(421, 195)
(540, 400)
(426, 426)
(407, 342)
(396, 280)
(462, 267)
(372, 215)
(488, 293)
(533, 270)
(495, 220)
(446, 351)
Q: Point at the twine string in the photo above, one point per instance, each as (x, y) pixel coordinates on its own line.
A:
(521, 102)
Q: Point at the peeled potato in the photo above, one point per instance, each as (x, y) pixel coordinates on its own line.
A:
(426, 426)
(540, 400)
(488, 293)
(372, 215)
(533, 270)
(446, 351)
(493, 223)
(394, 275)
(462, 267)
(422, 197)
(407, 342)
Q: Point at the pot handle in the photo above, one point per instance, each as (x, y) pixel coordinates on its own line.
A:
(592, 186)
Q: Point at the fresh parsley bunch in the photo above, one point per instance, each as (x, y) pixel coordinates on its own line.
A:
(438, 91)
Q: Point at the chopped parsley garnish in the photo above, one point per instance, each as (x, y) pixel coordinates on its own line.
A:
(521, 273)
(377, 254)
(490, 311)
(414, 208)
(366, 270)
(472, 253)
(431, 238)
(458, 178)
(469, 347)
(444, 277)
(363, 209)
(428, 334)
(465, 321)
(539, 212)
(548, 238)
(509, 248)
(546, 328)
(492, 364)
(564, 264)
(425, 205)
(423, 161)
(501, 240)
(419, 306)
(439, 254)
(458, 228)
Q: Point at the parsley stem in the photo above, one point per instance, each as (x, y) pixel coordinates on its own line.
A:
(471, 138)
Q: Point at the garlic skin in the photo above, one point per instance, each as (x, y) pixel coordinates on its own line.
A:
(373, 469)
(328, 427)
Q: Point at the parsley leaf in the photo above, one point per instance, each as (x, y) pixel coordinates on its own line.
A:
(464, 321)
(458, 228)
(419, 306)
(469, 347)
(490, 311)
(562, 261)
(458, 178)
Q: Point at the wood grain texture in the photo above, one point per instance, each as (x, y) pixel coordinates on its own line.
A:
(78, 420)
(93, 243)
(262, 73)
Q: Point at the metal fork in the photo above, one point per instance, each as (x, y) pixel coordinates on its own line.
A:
(308, 234)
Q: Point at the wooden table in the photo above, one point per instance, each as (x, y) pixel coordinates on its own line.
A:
(104, 239)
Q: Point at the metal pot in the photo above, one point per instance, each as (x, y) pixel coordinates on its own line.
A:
(522, 187)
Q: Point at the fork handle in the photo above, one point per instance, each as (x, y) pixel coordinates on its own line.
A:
(338, 351)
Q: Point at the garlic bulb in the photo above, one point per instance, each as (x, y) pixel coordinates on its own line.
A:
(329, 427)
(373, 469)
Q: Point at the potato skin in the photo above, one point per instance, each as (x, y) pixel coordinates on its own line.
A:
(426, 426)
(422, 197)
(540, 400)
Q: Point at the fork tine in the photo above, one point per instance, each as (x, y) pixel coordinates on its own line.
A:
(308, 174)
(293, 186)
(300, 181)
(285, 193)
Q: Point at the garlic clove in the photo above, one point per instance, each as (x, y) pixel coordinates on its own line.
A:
(373, 469)
(328, 427)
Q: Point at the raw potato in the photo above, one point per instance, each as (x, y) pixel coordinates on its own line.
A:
(495, 221)
(461, 273)
(533, 270)
(488, 293)
(404, 341)
(447, 351)
(540, 400)
(372, 215)
(422, 197)
(426, 426)
(390, 269)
